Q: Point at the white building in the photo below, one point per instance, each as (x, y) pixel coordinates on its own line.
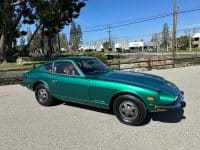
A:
(87, 48)
(121, 47)
(99, 48)
(196, 42)
(124, 46)
(118, 47)
(136, 46)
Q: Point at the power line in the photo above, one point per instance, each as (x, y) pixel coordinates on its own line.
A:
(151, 34)
(134, 37)
(142, 20)
(119, 22)
(126, 23)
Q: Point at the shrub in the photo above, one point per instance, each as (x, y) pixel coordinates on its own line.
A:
(98, 55)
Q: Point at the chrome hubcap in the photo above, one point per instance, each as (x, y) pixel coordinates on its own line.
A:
(128, 110)
(42, 95)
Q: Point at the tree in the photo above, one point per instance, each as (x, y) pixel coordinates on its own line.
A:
(106, 45)
(156, 40)
(73, 33)
(30, 37)
(79, 35)
(183, 42)
(52, 15)
(165, 36)
(75, 36)
(29, 34)
(40, 43)
(189, 33)
(63, 41)
(22, 41)
(12, 15)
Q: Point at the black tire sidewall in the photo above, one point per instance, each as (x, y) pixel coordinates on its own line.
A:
(49, 101)
(142, 111)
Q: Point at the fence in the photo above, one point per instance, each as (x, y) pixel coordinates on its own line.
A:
(155, 63)
(117, 65)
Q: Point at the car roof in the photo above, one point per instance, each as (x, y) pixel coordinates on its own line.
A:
(74, 58)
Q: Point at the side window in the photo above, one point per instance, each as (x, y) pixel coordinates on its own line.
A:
(48, 67)
(64, 67)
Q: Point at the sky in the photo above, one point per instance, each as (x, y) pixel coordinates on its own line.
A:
(102, 12)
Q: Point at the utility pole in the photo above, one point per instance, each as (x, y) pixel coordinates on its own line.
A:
(190, 40)
(175, 13)
(109, 36)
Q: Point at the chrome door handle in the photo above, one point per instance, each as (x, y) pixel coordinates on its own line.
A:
(54, 81)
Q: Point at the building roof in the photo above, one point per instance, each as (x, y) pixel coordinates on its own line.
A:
(136, 44)
(118, 45)
(197, 35)
(149, 44)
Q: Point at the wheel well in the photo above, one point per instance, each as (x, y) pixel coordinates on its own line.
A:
(117, 95)
(36, 83)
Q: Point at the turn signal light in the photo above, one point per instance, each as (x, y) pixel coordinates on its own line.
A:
(161, 109)
(150, 98)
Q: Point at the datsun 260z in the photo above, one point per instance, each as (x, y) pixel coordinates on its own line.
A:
(86, 80)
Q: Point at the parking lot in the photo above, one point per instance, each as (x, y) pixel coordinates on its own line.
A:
(24, 124)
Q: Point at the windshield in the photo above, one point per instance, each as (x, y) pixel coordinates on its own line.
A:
(91, 66)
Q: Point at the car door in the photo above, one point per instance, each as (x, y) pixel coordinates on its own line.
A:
(68, 84)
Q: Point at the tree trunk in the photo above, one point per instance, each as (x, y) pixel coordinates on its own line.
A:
(2, 48)
(50, 52)
(3, 37)
(59, 44)
(42, 41)
(31, 39)
(7, 33)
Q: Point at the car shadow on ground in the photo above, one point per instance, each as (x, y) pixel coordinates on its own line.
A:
(100, 110)
(171, 116)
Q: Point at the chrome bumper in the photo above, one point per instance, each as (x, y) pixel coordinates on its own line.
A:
(178, 104)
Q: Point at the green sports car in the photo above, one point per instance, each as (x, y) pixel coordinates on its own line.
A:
(86, 80)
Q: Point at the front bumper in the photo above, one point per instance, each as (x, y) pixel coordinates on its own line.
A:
(26, 84)
(22, 83)
(178, 104)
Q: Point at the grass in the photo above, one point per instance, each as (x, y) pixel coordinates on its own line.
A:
(188, 51)
(25, 66)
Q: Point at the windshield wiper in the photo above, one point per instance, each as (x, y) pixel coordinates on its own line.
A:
(99, 71)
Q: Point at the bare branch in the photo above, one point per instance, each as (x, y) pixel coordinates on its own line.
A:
(17, 3)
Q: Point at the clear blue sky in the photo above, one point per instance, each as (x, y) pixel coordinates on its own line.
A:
(101, 12)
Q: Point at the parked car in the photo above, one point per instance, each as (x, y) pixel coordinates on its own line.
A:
(86, 80)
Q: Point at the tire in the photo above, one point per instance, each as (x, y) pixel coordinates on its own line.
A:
(43, 96)
(130, 110)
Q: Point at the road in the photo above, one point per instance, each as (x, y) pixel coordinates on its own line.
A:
(25, 125)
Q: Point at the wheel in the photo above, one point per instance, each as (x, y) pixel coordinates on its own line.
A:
(130, 110)
(43, 96)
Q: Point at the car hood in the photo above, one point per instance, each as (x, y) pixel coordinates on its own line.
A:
(140, 79)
